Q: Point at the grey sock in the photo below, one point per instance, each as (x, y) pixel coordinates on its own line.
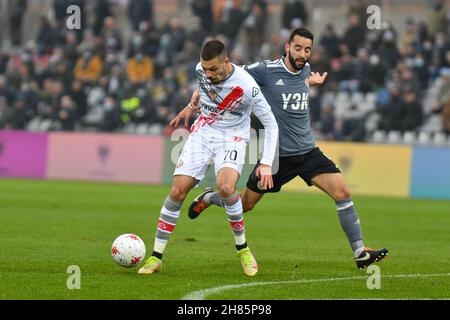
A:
(213, 198)
(168, 218)
(350, 223)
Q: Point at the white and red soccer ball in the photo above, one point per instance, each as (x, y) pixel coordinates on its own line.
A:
(128, 250)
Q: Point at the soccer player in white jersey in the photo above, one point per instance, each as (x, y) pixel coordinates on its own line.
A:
(228, 95)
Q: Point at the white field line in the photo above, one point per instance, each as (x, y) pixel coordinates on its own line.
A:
(202, 294)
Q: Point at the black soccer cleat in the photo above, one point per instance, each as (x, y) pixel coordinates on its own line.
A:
(198, 205)
(369, 256)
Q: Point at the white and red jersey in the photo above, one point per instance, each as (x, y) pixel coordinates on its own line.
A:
(226, 107)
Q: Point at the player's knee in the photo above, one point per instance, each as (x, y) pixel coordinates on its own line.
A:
(178, 194)
(226, 190)
(342, 193)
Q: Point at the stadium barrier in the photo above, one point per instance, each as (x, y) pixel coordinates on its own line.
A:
(369, 169)
(23, 154)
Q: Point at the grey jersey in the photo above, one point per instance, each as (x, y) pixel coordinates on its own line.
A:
(288, 95)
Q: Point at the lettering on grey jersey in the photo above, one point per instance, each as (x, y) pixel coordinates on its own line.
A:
(288, 95)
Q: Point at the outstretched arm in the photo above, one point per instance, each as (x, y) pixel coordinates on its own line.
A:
(315, 78)
(188, 111)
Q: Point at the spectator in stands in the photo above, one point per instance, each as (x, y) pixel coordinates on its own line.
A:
(331, 42)
(178, 35)
(355, 34)
(30, 97)
(139, 69)
(115, 82)
(67, 114)
(89, 67)
(203, 10)
(360, 73)
(197, 34)
(101, 12)
(151, 39)
(111, 115)
(411, 37)
(254, 29)
(387, 50)
(139, 11)
(358, 8)
(17, 9)
(5, 111)
(443, 91)
(5, 91)
(57, 91)
(376, 74)
(438, 19)
(446, 118)
(344, 73)
(70, 49)
(18, 118)
(420, 69)
(411, 113)
(79, 98)
(112, 36)
(294, 9)
(230, 21)
(390, 111)
(409, 80)
(4, 58)
(46, 36)
(327, 122)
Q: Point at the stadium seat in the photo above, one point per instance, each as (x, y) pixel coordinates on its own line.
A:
(371, 122)
(45, 125)
(379, 136)
(328, 98)
(33, 125)
(409, 137)
(394, 137)
(439, 139)
(357, 98)
(155, 129)
(142, 128)
(130, 128)
(424, 138)
(432, 124)
(343, 96)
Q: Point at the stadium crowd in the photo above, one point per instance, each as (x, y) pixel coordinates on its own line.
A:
(98, 79)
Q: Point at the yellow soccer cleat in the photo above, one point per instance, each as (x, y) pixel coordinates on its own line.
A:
(152, 265)
(248, 262)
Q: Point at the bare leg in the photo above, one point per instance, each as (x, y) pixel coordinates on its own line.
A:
(250, 199)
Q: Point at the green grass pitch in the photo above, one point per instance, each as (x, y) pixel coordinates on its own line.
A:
(47, 226)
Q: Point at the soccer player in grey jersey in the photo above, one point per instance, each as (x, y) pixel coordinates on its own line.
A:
(285, 84)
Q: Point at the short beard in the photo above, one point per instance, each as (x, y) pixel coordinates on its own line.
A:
(294, 64)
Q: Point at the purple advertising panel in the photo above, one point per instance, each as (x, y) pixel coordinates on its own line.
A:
(108, 157)
(22, 154)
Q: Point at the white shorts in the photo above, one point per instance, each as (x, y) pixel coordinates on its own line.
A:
(204, 148)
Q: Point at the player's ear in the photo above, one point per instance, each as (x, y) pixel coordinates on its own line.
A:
(286, 47)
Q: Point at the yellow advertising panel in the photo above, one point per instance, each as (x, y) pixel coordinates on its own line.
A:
(368, 169)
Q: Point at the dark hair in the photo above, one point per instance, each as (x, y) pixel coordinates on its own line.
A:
(212, 49)
(302, 32)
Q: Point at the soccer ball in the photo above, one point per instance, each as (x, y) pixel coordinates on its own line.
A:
(128, 250)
